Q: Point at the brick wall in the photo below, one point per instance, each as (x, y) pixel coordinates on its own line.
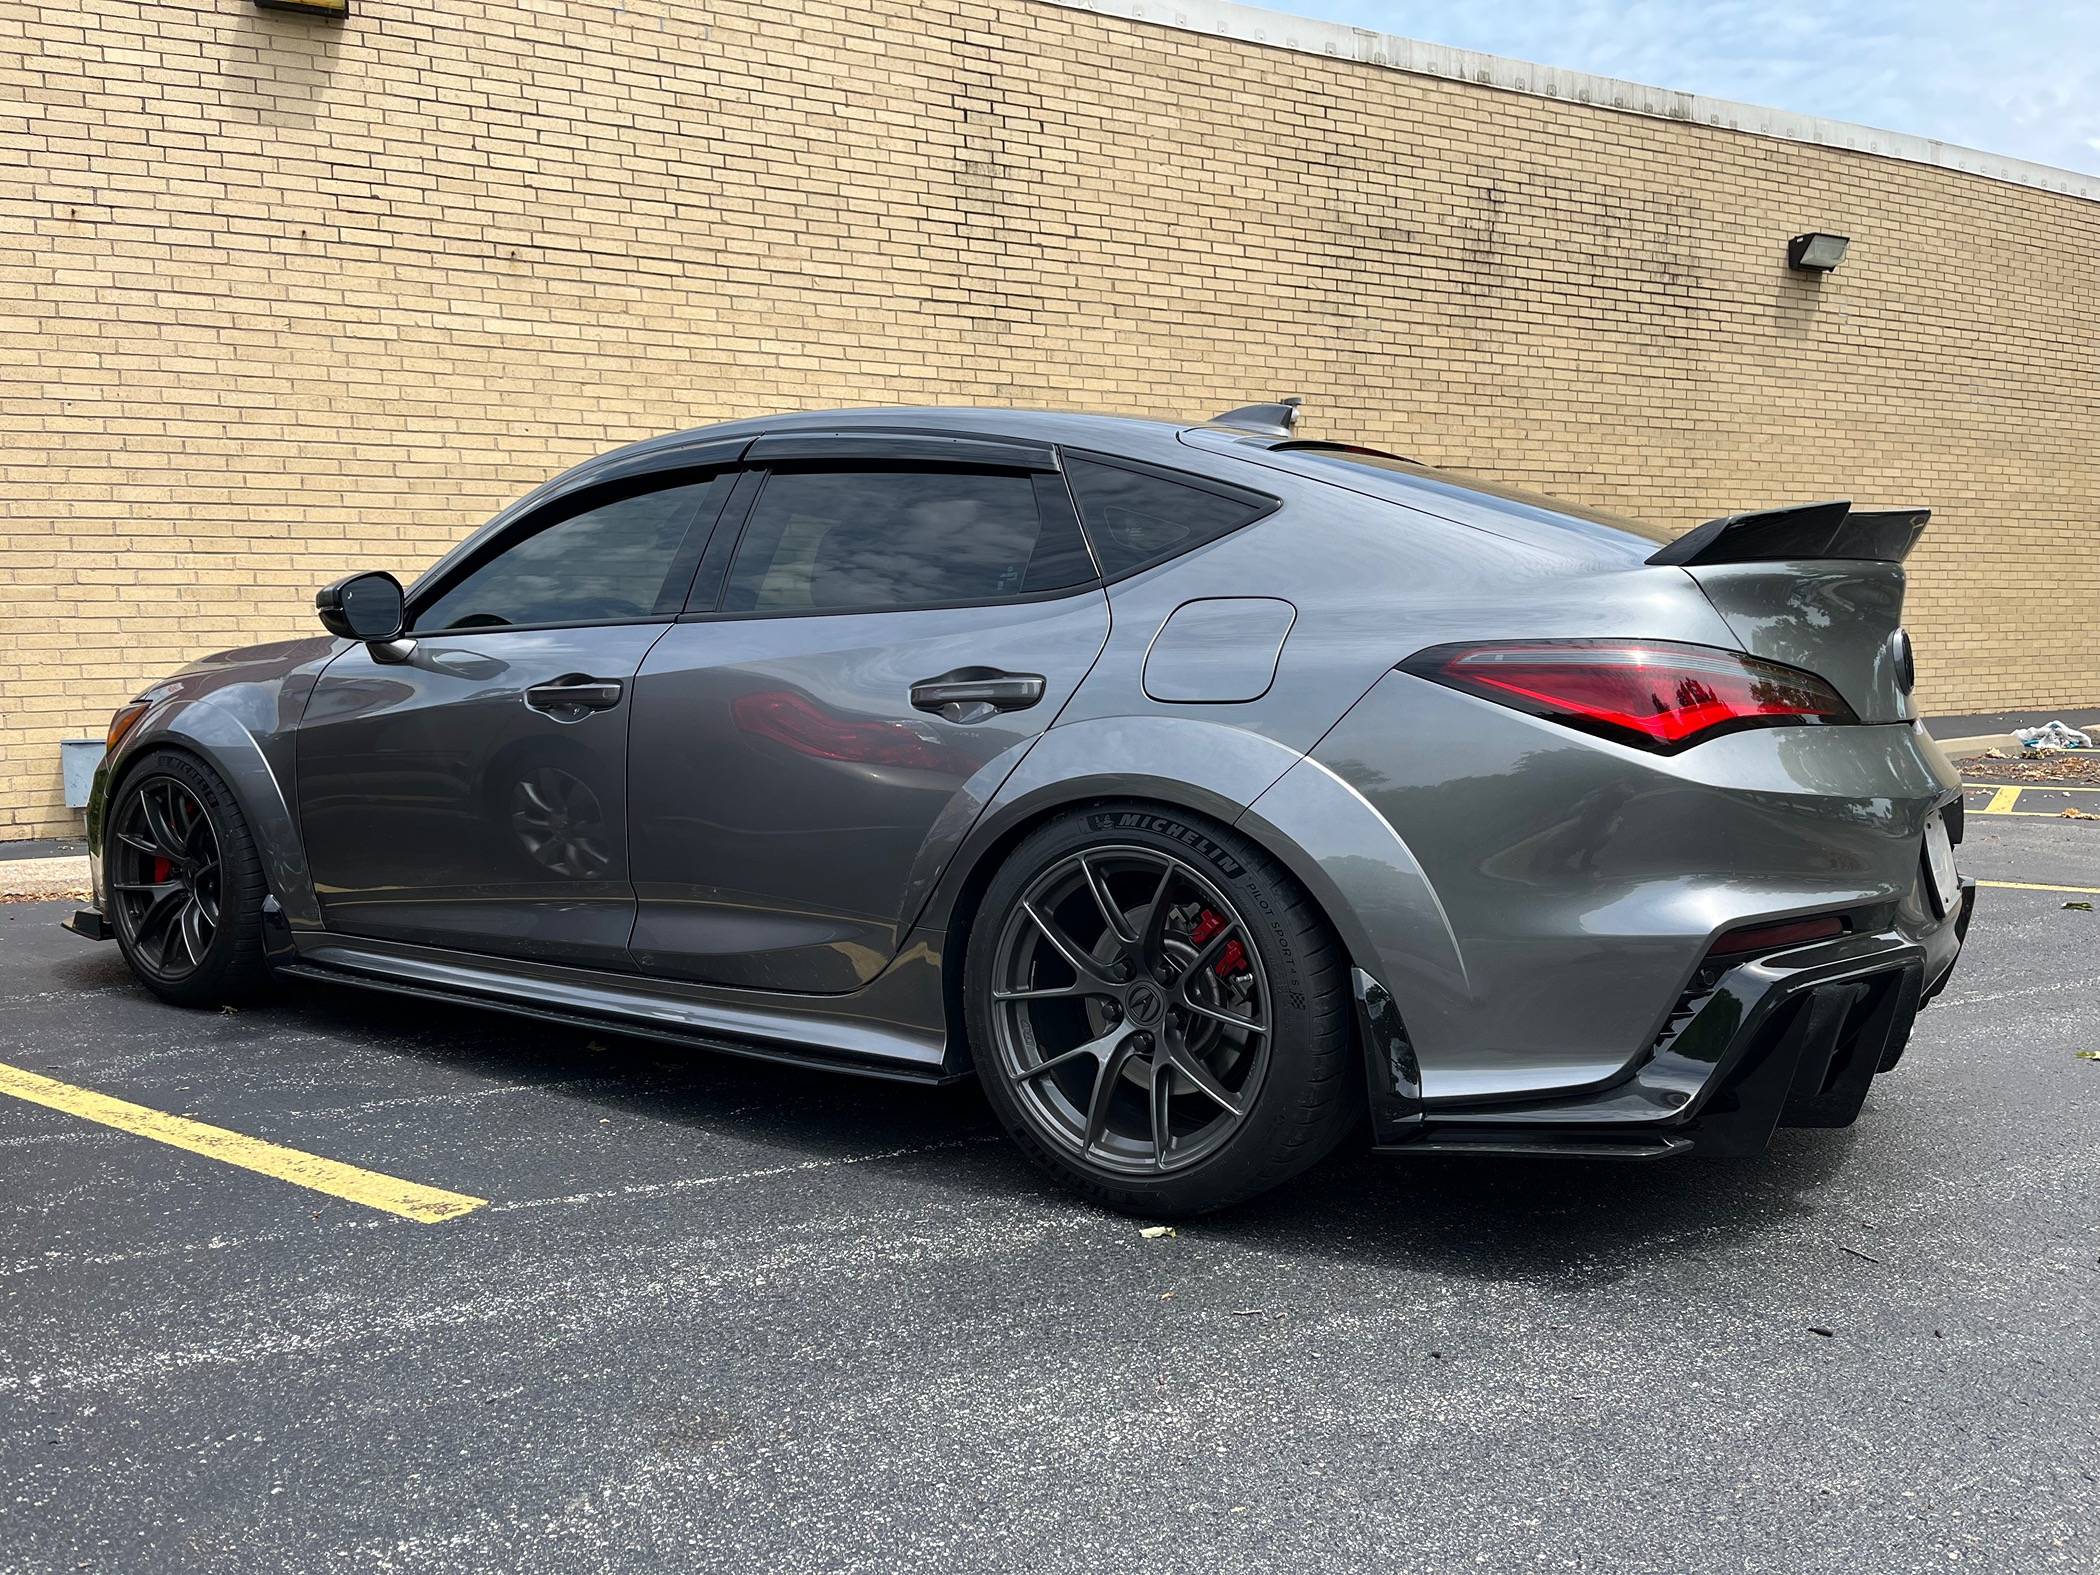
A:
(280, 298)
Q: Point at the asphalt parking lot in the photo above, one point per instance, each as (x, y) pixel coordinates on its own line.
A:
(720, 1315)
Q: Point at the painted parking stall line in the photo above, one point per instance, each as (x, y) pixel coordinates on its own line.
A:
(409, 1200)
(2033, 800)
(2023, 885)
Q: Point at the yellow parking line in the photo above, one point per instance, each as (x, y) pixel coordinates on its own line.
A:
(2002, 802)
(2039, 787)
(411, 1200)
(2021, 885)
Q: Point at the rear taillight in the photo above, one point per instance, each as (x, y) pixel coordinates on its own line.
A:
(1655, 694)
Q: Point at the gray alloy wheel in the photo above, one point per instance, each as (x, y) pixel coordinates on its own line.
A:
(1159, 1014)
(1131, 1014)
(184, 883)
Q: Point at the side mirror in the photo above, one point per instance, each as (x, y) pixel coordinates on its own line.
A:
(364, 607)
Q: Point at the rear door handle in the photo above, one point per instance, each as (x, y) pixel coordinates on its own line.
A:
(971, 694)
(570, 697)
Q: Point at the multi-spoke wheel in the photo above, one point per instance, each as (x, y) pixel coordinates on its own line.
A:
(1158, 1012)
(183, 882)
(165, 877)
(1130, 1013)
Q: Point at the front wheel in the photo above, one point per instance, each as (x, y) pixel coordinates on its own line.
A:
(1158, 1013)
(185, 885)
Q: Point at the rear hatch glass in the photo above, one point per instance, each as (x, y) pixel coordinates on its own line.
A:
(1418, 481)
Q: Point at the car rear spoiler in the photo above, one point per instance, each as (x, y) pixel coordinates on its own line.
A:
(1807, 530)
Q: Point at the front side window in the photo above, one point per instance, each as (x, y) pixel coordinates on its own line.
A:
(881, 538)
(1140, 517)
(616, 560)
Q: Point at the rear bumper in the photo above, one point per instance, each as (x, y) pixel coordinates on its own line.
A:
(1960, 928)
(1793, 1038)
(1535, 899)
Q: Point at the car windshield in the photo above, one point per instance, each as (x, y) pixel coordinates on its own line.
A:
(1471, 486)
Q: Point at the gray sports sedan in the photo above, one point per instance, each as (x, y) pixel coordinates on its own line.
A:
(1209, 793)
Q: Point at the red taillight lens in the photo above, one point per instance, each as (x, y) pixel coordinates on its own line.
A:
(1782, 933)
(1656, 694)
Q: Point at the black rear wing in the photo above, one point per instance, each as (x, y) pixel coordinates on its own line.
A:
(1807, 530)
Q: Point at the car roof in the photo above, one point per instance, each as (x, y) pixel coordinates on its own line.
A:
(1268, 461)
(1131, 437)
(1135, 436)
(1226, 449)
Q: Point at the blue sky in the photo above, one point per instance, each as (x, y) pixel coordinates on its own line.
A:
(2002, 75)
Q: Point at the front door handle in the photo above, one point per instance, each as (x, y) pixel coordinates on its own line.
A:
(570, 697)
(971, 694)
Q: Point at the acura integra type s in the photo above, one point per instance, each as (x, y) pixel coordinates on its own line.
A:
(1209, 793)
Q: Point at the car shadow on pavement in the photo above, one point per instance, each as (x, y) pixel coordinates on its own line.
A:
(1494, 1218)
(1541, 1221)
(647, 1078)
(352, 1034)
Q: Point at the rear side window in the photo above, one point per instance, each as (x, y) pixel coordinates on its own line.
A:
(1140, 517)
(621, 559)
(873, 539)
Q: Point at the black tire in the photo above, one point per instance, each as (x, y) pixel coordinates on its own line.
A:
(1296, 1101)
(216, 871)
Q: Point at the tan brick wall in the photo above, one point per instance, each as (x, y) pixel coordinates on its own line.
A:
(280, 298)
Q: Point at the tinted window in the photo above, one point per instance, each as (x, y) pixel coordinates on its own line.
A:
(617, 560)
(1136, 517)
(841, 540)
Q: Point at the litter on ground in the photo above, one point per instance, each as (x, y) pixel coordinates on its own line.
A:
(2051, 735)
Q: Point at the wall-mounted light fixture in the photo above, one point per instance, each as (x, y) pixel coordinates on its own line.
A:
(1816, 252)
(336, 8)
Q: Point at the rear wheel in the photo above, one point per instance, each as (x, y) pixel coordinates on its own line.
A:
(185, 883)
(1157, 1012)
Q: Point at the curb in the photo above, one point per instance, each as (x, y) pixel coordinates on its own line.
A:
(1957, 747)
(61, 877)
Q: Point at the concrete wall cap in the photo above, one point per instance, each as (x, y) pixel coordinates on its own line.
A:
(1342, 41)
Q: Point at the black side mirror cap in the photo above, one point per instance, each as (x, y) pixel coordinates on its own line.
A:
(368, 607)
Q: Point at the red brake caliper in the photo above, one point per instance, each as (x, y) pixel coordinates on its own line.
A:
(1232, 959)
